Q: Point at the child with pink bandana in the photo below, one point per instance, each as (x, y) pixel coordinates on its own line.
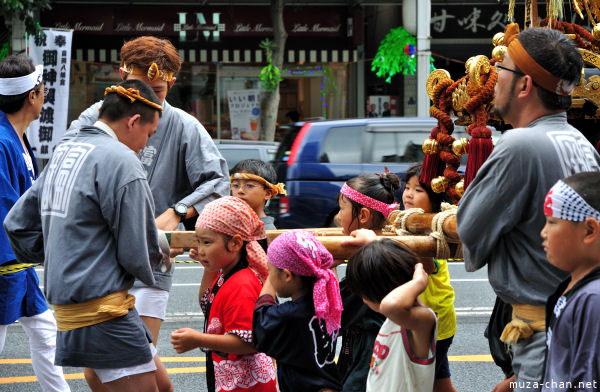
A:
(300, 334)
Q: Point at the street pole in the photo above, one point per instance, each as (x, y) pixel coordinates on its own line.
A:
(423, 55)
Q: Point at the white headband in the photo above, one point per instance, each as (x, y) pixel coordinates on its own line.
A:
(21, 84)
(563, 202)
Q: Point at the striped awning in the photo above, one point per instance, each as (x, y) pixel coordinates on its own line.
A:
(233, 56)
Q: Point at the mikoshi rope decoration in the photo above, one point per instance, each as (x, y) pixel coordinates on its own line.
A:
(437, 231)
(397, 221)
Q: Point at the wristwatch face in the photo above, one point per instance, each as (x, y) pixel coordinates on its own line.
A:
(180, 209)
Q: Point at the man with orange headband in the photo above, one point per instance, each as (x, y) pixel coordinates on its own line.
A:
(95, 195)
(500, 215)
(184, 167)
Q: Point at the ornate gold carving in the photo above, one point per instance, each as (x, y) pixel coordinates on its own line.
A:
(460, 96)
(433, 79)
(477, 66)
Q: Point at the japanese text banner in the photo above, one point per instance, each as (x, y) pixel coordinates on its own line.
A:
(52, 48)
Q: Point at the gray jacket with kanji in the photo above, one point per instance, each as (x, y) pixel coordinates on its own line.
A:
(90, 218)
(181, 162)
(501, 214)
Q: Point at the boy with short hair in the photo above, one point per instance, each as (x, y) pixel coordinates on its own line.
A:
(572, 243)
(253, 181)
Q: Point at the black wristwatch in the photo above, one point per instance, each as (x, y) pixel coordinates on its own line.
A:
(180, 209)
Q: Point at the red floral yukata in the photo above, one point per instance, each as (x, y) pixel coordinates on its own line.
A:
(231, 313)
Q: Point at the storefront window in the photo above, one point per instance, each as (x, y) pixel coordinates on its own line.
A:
(315, 92)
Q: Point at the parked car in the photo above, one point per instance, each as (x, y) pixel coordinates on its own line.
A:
(237, 150)
(315, 158)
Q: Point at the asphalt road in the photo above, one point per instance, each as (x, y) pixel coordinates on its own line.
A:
(470, 363)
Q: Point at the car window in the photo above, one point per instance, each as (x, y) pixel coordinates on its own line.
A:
(402, 147)
(342, 145)
(234, 155)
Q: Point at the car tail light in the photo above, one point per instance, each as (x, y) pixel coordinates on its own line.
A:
(297, 142)
(284, 205)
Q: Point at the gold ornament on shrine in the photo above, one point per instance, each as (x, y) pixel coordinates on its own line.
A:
(431, 146)
(439, 184)
(459, 146)
(460, 188)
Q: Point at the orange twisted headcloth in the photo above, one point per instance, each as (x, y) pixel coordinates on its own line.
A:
(133, 95)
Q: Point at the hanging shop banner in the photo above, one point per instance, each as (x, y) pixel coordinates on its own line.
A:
(52, 48)
(244, 113)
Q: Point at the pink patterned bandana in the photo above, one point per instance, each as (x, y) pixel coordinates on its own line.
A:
(563, 202)
(230, 215)
(367, 201)
(301, 253)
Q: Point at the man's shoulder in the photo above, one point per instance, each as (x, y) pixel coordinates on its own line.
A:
(178, 115)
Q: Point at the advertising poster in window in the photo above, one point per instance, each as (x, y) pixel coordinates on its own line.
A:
(244, 113)
(52, 48)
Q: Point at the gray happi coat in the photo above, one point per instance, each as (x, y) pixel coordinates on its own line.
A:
(501, 214)
(90, 218)
(181, 162)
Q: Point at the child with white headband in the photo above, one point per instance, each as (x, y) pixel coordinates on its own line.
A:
(572, 243)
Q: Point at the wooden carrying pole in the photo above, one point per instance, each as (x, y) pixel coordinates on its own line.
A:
(418, 224)
(424, 246)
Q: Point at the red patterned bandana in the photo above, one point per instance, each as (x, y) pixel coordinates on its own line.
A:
(230, 215)
(367, 201)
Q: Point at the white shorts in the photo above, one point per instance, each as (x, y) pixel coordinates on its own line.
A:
(108, 375)
(150, 301)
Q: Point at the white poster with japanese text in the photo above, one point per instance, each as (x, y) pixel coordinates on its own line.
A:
(52, 48)
(244, 113)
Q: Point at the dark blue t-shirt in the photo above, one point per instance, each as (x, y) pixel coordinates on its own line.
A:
(292, 334)
(573, 336)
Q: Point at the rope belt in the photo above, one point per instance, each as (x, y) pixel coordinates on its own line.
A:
(96, 311)
(525, 320)
(12, 268)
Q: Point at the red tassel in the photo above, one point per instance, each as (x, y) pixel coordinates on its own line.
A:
(479, 149)
(433, 167)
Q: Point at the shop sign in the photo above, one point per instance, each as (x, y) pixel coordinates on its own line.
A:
(475, 21)
(52, 48)
(194, 23)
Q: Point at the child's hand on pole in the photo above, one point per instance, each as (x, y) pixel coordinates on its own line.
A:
(361, 237)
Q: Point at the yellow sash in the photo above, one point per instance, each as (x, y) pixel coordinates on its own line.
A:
(96, 311)
(525, 320)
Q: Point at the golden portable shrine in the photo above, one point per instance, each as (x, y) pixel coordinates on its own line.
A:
(469, 100)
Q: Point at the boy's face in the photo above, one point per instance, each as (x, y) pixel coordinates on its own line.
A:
(562, 240)
(252, 192)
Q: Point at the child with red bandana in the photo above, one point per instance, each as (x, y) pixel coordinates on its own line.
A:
(227, 232)
(572, 243)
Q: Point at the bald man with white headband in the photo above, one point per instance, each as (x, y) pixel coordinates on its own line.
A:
(500, 215)
(21, 99)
